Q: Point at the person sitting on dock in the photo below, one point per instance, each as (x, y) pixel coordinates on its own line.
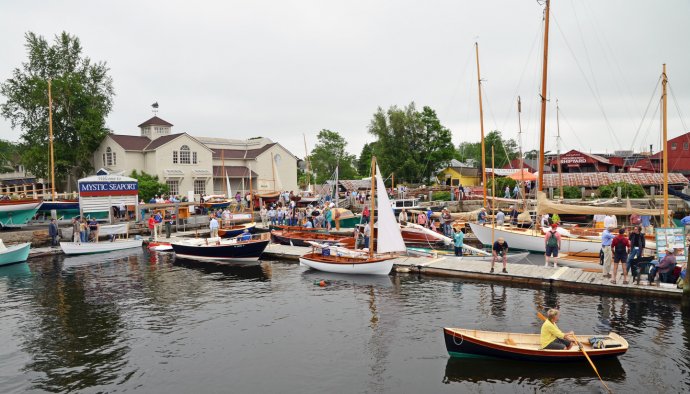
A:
(552, 242)
(458, 241)
(552, 338)
(500, 249)
(664, 268)
(621, 248)
(481, 217)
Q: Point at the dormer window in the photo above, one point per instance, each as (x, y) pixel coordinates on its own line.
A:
(109, 158)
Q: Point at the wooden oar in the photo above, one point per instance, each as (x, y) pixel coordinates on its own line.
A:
(582, 349)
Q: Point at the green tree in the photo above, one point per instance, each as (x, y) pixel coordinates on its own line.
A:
(364, 160)
(505, 150)
(82, 94)
(411, 144)
(149, 186)
(628, 190)
(9, 156)
(330, 153)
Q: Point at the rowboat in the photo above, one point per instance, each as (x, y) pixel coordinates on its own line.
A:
(347, 264)
(14, 253)
(218, 249)
(474, 343)
(99, 247)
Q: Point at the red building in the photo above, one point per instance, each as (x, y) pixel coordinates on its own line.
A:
(678, 155)
(576, 161)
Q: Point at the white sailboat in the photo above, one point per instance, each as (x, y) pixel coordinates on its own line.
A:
(389, 241)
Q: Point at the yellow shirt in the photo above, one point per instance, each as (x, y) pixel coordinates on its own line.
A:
(549, 332)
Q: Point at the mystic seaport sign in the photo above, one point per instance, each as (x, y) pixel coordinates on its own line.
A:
(108, 186)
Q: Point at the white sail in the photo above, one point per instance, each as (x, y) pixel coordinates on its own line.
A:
(389, 238)
(227, 181)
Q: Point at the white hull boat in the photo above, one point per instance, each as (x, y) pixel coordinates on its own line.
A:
(533, 240)
(72, 248)
(375, 267)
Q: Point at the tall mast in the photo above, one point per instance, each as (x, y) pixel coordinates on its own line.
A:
(306, 158)
(664, 82)
(558, 150)
(273, 170)
(542, 128)
(50, 130)
(336, 186)
(493, 197)
(373, 207)
(522, 157)
(251, 192)
(481, 121)
(225, 174)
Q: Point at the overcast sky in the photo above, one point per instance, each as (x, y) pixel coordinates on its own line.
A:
(279, 69)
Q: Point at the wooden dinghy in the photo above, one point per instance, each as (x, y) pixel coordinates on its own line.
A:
(235, 230)
(472, 343)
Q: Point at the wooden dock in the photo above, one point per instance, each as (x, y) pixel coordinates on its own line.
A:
(451, 266)
(527, 274)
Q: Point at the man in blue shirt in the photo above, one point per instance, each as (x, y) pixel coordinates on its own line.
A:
(606, 239)
(685, 221)
(481, 218)
(458, 239)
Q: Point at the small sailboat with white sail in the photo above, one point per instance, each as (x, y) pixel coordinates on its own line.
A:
(389, 241)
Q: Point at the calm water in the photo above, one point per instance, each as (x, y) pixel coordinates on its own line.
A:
(141, 323)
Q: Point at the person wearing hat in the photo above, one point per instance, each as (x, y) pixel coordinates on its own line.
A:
(606, 239)
(481, 217)
(500, 249)
(552, 243)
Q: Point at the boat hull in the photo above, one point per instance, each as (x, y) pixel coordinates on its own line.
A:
(73, 248)
(303, 238)
(529, 240)
(240, 251)
(354, 267)
(17, 213)
(67, 205)
(15, 254)
(460, 344)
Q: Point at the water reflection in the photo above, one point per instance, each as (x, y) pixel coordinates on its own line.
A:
(261, 272)
(75, 339)
(477, 370)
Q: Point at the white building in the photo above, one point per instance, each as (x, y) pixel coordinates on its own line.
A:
(186, 163)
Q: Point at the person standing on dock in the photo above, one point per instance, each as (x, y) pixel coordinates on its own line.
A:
(365, 214)
(514, 216)
(447, 223)
(621, 248)
(458, 241)
(500, 249)
(402, 217)
(606, 239)
(500, 217)
(152, 228)
(507, 192)
(637, 243)
(213, 226)
(552, 241)
(610, 222)
(516, 191)
(53, 232)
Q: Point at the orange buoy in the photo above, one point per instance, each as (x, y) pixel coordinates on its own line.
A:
(322, 283)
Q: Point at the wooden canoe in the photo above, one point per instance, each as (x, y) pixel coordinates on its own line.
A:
(474, 343)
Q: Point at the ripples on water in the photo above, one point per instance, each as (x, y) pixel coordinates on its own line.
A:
(147, 323)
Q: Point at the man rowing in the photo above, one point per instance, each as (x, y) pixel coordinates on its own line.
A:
(552, 337)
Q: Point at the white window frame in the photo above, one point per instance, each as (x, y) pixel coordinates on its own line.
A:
(175, 157)
(173, 186)
(200, 186)
(185, 155)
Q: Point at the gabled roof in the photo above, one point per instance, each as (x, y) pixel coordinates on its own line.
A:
(162, 140)
(240, 153)
(155, 121)
(130, 142)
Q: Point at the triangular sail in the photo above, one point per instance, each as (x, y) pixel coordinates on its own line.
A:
(227, 182)
(389, 238)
